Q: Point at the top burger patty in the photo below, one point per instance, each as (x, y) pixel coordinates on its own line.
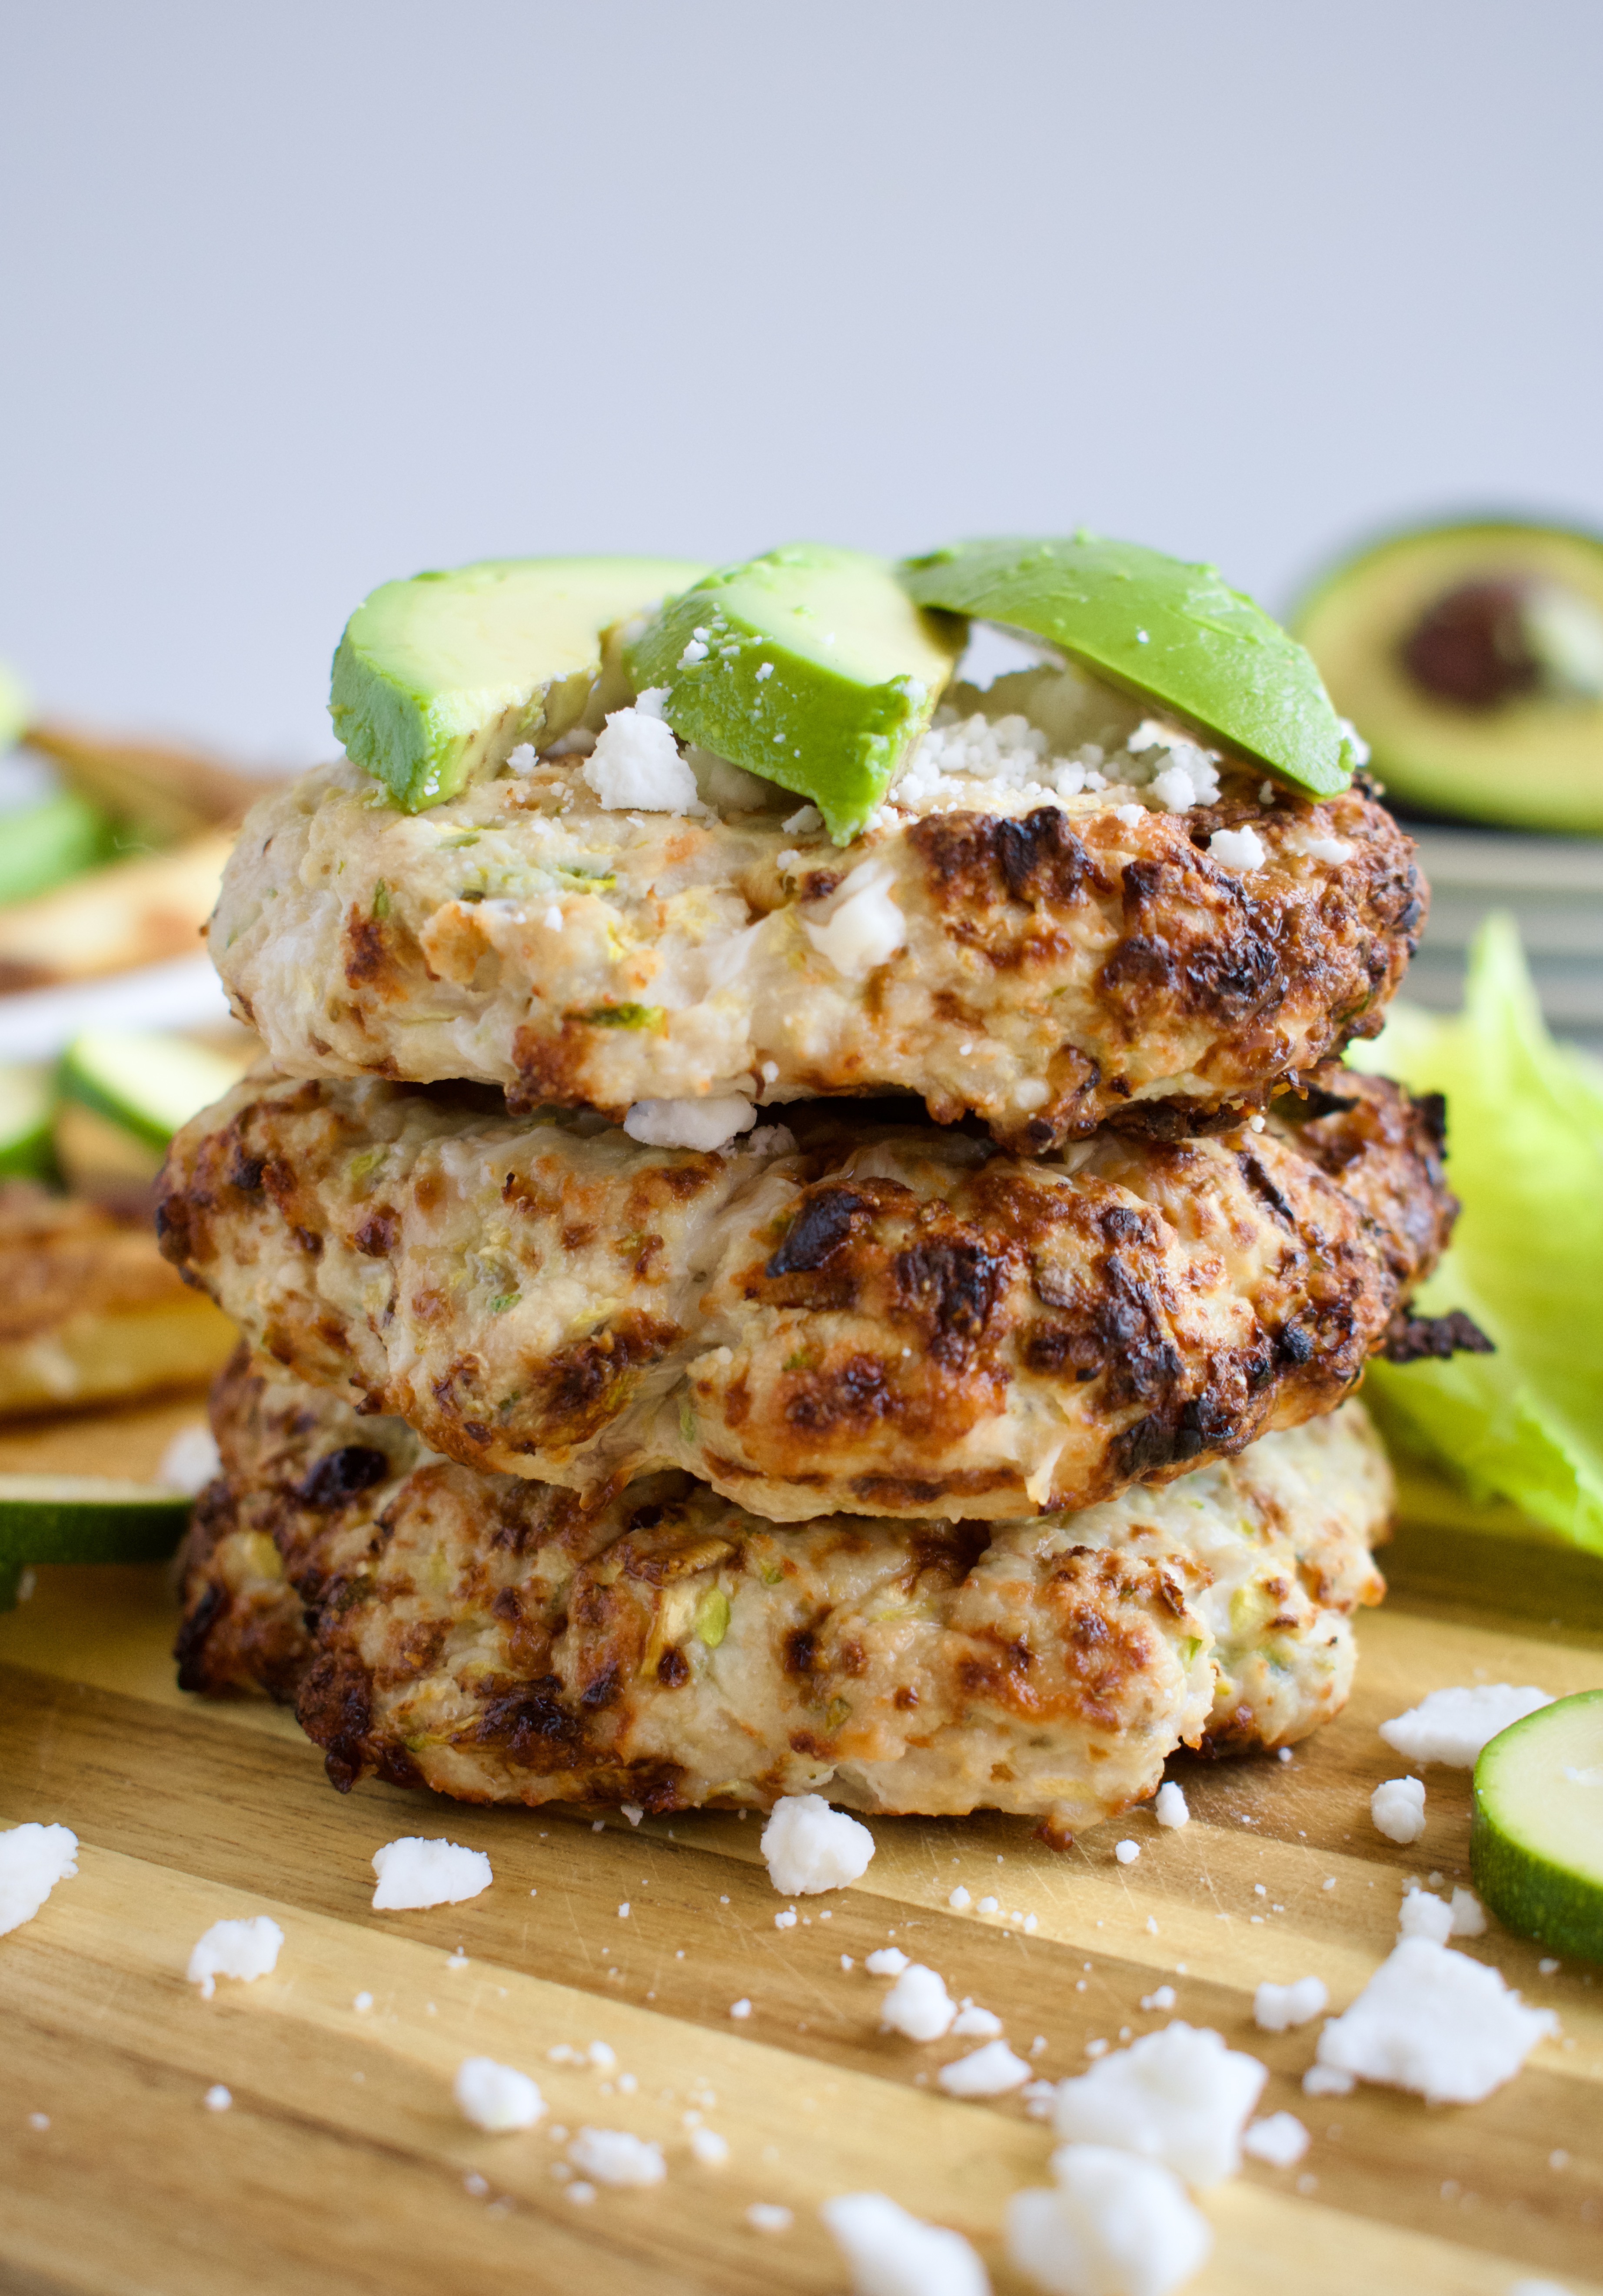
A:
(886, 1319)
(1052, 967)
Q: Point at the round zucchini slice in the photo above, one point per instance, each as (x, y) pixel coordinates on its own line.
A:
(1470, 658)
(84, 1519)
(1536, 1842)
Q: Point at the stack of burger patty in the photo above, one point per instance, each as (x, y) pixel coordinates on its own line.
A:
(729, 1313)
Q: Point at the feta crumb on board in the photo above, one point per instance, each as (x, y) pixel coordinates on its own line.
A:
(613, 2156)
(414, 1872)
(1178, 2095)
(1536, 2288)
(1278, 2008)
(189, 1460)
(917, 2004)
(1468, 1914)
(244, 1949)
(1170, 1807)
(1423, 1915)
(496, 2097)
(1437, 2023)
(1126, 1852)
(974, 2023)
(891, 2253)
(708, 2149)
(1397, 1807)
(636, 762)
(1451, 1726)
(1281, 2139)
(808, 1847)
(769, 2216)
(960, 1900)
(703, 1124)
(1110, 2225)
(33, 1859)
(990, 2071)
(1326, 2080)
(740, 2009)
(217, 2099)
(885, 1961)
(865, 926)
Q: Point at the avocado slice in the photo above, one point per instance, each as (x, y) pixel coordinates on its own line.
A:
(1162, 630)
(809, 666)
(1470, 658)
(436, 680)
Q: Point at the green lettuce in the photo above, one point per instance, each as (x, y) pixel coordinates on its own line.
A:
(1525, 1138)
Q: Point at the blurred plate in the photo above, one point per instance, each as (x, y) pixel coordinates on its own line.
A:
(1553, 889)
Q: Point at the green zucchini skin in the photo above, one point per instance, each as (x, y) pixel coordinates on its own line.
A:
(1529, 1890)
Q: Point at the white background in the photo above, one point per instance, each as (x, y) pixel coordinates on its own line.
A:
(300, 296)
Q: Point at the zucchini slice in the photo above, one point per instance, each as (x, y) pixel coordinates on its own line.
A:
(1536, 1842)
(84, 1519)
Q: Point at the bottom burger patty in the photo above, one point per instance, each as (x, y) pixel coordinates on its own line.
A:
(500, 1640)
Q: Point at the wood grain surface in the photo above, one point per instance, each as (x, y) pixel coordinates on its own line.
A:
(343, 2164)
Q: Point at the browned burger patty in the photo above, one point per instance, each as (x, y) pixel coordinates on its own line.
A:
(1056, 965)
(885, 1320)
(497, 1640)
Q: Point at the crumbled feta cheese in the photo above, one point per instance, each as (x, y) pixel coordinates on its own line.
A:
(917, 2004)
(769, 2216)
(1179, 2096)
(890, 2252)
(1277, 2008)
(217, 2099)
(636, 762)
(1170, 1807)
(1281, 2139)
(602, 2055)
(1397, 1807)
(865, 928)
(1163, 1999)
(1536, 2288)
(496, 2097)
(1132, 816)
(613, 2156)
(553, 918)
(1126, 1852)
(1468, 1915)
(808, 1847)
(245, 1949)
(189, 1460)
(887, 1961)
(710, 2150)
(413, 1872)
(579, 2189)
(803, 823)
(741, 2008)
(989, 2070)
(960, 1900)
(990, 1904)
(764, 670)
(1451, 1726)
(1422, 1916)
(633, 1810)
(700, 1124)
(1436, 2023)
(973, 2022)
(1110, 2225)
(1333, 850)
(694, 650)
(785, 1921)
(1325, 2080)
(1237, 848)
(363, 2003)
(771, 1140)
(33, 1859)
(523, 759)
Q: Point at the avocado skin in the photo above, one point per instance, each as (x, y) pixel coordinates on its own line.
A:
(1529, 762)
(1161, 629)
(438, 678)
(831, 723)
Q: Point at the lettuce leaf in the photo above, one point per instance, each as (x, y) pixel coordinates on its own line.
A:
(1525, 1139)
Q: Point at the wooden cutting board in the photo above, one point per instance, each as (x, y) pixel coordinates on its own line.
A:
(343, 2165)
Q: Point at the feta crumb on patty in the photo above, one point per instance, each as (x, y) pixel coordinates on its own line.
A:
(496, 2097)
(1237, 848)
(891, 2253)
(413, 1872)
(245, 1949)
(1178, 2095)
(1397, 1807)
(1111, 2225)
(636, 762)
(990, 2071)
(809, 1847)
(1437, 2023)
(613, 2156)
(1281, 2139)
(1277, 2008)
(917, 2004)
(701, 1124)
(1451, 1726)
(1170, 1806)
(865, 926)
(33, 1859)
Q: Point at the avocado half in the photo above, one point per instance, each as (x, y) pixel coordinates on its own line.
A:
(1470, 658)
